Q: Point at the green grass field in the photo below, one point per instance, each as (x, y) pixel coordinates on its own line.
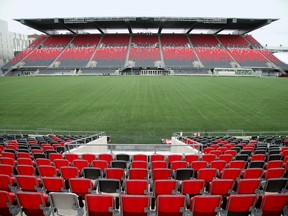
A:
(134, 109)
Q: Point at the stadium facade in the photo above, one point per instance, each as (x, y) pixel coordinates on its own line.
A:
(214, 53)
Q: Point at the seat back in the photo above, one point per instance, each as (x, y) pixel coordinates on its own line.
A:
(109, 186)
(139, 164)
(165, 187)
(6, 204)
(198, 204)
(163, 173)
(68, 172)
(140, 157)
(170, 205)
(274, 173)
(5, 182)
(81, 186)
(136, 187)
(27, 183)
(115, 173)
(25, 161)
(196, 165)
(135, 205)
(158, 164)
(53, 184)
(207, 174)
(92, 173)
(252, 173)
(123, 157)
(157, 157)
(36, 207)
(231, 173)
(64, 201)
(218, 164)
(89, 157)
(26, 170)
(178, 164)
(273, 204)
(184, 173)
(106, 157)
(241, 203)
(237, 164)
(100, 204)
(6, 169)
(193, 187)
(138, 173)
(276, 185)
(60, 163)
(248, 186)
(80, 164)
(47, 171)
(102, 164)
(119, 164)
(221, 187)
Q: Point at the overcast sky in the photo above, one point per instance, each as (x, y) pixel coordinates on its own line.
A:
(273, 34)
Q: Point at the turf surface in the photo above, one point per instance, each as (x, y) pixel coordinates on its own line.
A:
(134, 109)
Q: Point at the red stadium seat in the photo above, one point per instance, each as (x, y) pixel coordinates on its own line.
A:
(241, 204)
(199, 207)
(100, 204)
(35, 208)
(136, 187)
(7, 206)
(137, 205)
(273, 204)
(170, 205)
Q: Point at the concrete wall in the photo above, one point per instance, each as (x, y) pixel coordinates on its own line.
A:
(94, 147)
(181, 147)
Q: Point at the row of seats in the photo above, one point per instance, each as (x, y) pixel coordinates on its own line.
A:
(172, 40)
(57, 41)
(144, 40)
(253, 41)
(178, 55)
(141, 205)
(76, 54)
(116, 40)
(248, 57)
(233, 41)
(204, 41)
(144, 56)
(36, 57)
(215, 56)
(86, 40)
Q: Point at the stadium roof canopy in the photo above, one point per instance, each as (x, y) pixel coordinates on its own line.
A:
(187, 24)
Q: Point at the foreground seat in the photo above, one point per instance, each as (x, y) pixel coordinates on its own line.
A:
(241, 204)
(137, 205)
(65, 202)
(39, 205)
(170, 205)
(7, 205)
(274, 204)
(199, 205)
(100, 204)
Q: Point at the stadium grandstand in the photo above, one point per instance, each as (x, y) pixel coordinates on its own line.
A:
(47, 172)
(145, 53)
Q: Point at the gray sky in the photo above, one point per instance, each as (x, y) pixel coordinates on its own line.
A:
(273, 34)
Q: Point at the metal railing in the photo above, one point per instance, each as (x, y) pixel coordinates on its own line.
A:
(135, 148)
(83, 141)
(240, 133)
